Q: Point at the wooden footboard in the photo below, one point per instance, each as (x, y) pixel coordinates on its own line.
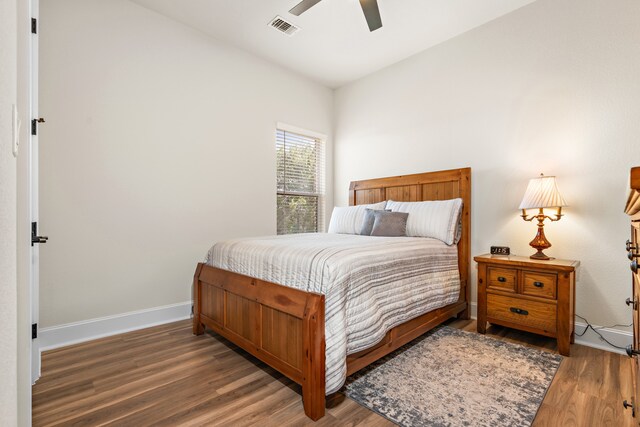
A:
(283, 327)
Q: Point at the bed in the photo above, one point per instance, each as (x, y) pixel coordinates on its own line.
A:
(284, 326)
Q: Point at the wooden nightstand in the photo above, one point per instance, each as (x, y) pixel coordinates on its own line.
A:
(531, 295)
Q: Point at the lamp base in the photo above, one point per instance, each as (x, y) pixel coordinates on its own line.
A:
(540, 256)
(540, 243)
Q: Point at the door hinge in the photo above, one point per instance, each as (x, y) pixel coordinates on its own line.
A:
(34, 125)
(34, 331)
(34, 26)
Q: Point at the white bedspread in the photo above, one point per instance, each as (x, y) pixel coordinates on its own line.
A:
(371, 284)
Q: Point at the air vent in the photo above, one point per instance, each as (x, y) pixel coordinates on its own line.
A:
(283, 26)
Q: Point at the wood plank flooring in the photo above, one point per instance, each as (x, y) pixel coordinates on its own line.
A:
(165, 376)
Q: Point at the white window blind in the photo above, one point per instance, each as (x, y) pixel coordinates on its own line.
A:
(300, 183)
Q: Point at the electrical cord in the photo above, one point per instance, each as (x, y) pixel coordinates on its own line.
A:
(590, 326)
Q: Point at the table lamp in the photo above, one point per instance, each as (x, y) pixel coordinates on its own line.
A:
(542, 193)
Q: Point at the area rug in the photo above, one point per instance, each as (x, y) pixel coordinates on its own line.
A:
(455, 378)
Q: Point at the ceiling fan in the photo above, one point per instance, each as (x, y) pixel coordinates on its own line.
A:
(369, 8)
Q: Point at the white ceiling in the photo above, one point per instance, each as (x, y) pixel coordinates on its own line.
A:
(334, 46)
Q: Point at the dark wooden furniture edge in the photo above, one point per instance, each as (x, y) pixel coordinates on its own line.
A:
(631, 206)
(634, 178)
(284, 327)
(632, 244)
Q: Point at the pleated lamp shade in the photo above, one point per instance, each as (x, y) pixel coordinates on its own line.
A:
(542, 192)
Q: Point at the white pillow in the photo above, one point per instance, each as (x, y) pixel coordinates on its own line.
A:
(436, 218)
(349, 219)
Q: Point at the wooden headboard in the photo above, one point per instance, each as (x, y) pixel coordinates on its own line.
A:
(441, 185)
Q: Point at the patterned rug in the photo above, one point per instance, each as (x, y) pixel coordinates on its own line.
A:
(455, 378)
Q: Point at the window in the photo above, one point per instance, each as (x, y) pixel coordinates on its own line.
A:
(300, 182)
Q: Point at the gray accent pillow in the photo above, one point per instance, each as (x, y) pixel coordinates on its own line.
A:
(392, 224)
(367, 224)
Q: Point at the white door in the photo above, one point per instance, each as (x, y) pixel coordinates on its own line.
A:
(37, 239)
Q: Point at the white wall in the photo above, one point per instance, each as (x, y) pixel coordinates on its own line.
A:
(8, 275)
(552, 87)
(158, 142)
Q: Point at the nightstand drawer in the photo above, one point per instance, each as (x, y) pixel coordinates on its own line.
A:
(539, 284)
(503, 279)
(534, 314)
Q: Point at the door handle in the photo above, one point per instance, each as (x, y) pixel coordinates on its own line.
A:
(38, 239)
(519, 311)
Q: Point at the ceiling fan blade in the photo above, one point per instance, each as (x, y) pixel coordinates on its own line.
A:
(371, 14)
(303, 6)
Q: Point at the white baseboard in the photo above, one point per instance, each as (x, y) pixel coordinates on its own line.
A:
(615, 336)
(87, 330)
(474, 310)
(590, 339)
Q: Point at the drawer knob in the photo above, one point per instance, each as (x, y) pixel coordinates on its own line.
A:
(634, 266)
(502, 279)
(631, 255)
(630, 301)
(630, 246)
(519, 311)
(630, 351)
(538, 284)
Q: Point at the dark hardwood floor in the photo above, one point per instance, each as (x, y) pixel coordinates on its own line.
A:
(165, 376)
